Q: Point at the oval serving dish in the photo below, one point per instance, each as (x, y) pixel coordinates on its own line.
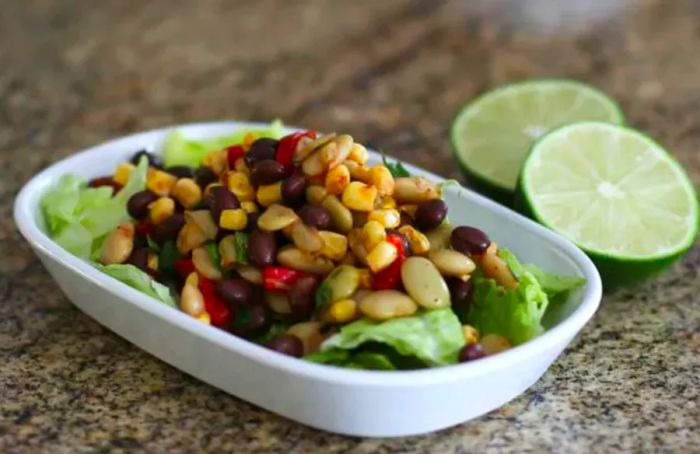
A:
(353, 402)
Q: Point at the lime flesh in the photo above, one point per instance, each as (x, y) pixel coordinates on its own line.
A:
(615, 193)
(492, 135)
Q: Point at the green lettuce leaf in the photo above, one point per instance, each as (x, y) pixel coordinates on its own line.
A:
(396, 169)
(435, 337)
(79, 217)
(553, 284)
(345, 358)
(516, 313)
(135, 278)
(178, 150)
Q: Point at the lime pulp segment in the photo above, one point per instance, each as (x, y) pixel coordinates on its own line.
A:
(611, 190)
(493, 134)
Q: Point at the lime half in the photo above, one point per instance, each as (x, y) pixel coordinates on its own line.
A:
(492, 135)
(615, 193)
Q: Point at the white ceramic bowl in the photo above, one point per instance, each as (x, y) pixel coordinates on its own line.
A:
(363, 403)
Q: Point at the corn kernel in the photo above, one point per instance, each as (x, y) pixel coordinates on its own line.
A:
(382, 179)
(471, 334)
(161, 209)
(249, 207)
(381, 256)
(123, 172)
(316, 194)
(335, 245)
(235, 219)
(365, 279)
(418, 241)
(187, 192)
(389, 218)
(342, 311)
(239, 184)
(358, 153)
(359, 196)
(204, 318)
(269, 194)
(386, 202)
(192, 279)
(337, 179)
(152, 262)
(359, 172)
(241, 166)
(248, 140)
(159, 182)
(216, 160)
(373, 233)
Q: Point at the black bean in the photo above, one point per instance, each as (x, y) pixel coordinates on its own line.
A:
(471, 352)
(316, 216)
(137, 205)
(261, 149)
(181, 171)
(237, 292)
(266, 172)
(153, 160)
(287, 344)
(430, 214)
(168, 229)
(469, 240)
(302, 296)
(219, 199)
(262, 248)
(294, 190)
(460, 292)
(204, 176)
(139, 258)
(251, 321)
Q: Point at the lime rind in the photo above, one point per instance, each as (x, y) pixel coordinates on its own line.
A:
(605, 258)
(473, 167)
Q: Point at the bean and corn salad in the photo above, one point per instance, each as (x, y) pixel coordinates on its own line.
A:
(289, 242)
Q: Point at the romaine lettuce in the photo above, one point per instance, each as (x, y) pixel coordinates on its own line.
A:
(353, 360)
(180, 151)
(435, 337)
(79, 217)
(515, 313)
(135, 278)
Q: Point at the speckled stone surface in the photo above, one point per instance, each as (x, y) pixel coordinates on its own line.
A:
(392, 73)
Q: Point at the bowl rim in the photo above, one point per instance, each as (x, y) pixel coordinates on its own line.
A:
(28, 197)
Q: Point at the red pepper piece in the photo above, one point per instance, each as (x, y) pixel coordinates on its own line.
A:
(184, 267)
(233, 153)
(219, 312)
(398, 242)
(143, 228)
(287, 146)
(390, 277)
(279, 278)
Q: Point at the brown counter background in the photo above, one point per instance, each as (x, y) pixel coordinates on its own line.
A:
(391, 73)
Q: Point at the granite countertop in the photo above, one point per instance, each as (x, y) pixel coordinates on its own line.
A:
(391, 73)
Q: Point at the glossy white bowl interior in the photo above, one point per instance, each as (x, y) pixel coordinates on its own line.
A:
(364, 403)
